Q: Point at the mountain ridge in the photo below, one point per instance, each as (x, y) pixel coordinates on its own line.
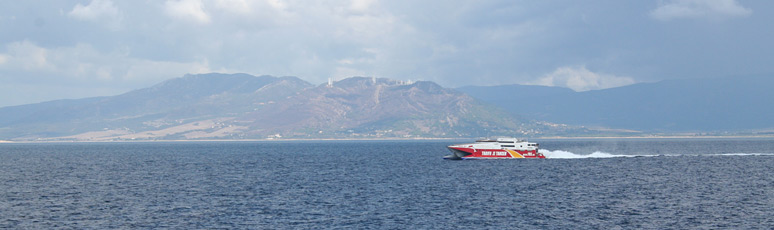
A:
(735, 104)
(241, 106)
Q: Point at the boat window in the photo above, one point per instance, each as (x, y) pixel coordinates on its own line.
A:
(507, 146)
(505, 141)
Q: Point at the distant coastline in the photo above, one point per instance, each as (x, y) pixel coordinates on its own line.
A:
(397, 139)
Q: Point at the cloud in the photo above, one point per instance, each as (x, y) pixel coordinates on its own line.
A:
(189, 10)
(81, 65)
(25, 55)
(361, 6)
(579, 78)
(234, 6)
(308, 39)
(30, 73)
(708, 9)
(98, 11)
(498, 42)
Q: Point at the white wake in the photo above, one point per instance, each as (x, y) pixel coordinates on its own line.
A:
(560, 154)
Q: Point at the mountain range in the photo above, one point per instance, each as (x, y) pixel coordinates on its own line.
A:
(735, 104)
(241, 106)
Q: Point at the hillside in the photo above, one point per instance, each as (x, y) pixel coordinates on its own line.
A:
(241, 106)
(173, 102)
(381, 107)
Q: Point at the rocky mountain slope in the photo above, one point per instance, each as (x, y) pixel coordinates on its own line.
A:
(241, 106)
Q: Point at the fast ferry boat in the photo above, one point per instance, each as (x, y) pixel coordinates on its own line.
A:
(500, 148)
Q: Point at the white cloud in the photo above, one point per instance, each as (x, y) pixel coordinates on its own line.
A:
(98, 11)
(32, 73)
(579, 78)
(708, 9)
(25, 55)
(361, 6)
(25, 62)
(95, 10)
(189, 10)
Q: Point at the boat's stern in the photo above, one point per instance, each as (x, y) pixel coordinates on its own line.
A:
(539, 154)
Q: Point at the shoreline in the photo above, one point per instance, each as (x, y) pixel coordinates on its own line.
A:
(399, 139)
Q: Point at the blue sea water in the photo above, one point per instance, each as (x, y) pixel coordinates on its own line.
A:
(589, 184)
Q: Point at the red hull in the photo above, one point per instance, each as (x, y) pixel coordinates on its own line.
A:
(472, 153)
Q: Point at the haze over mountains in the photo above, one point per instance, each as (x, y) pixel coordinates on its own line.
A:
(241, 106)
(738, 104)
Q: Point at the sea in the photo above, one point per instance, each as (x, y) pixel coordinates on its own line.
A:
(682, 183)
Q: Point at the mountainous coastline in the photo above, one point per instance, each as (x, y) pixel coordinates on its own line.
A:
(241, 106)
(723, 105)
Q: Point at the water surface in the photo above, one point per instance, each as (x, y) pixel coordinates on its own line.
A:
(674, 183)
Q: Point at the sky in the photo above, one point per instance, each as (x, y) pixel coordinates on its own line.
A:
(67, 49)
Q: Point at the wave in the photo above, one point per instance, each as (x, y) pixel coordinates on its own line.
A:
(560, 154)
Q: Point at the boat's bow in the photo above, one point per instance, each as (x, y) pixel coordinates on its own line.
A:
(458, 152)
